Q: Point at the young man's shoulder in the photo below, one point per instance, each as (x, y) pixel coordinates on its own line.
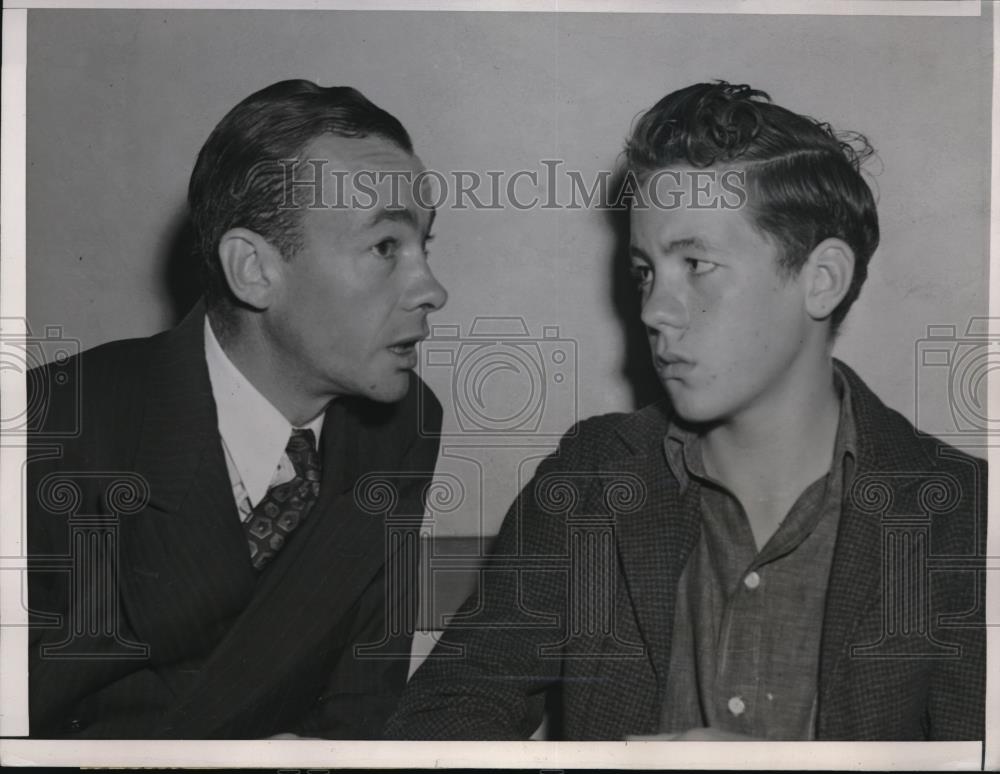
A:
(606, 438)
(895, 440)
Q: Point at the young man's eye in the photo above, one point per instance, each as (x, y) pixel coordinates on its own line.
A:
(642, 275)
(698, 267)
(427, 240)
(386, 248)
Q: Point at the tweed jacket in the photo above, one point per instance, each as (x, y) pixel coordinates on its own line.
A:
(148, 619)
(576, 603)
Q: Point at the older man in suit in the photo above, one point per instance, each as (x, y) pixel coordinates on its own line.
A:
(751, 557)
(238, 584)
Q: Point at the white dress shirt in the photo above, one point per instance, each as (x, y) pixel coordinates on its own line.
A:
(254, 433)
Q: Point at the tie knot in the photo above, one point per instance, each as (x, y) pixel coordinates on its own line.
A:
(301, 450)
(302, 439)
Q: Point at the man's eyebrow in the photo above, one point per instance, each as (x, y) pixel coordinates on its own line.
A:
(397, 214)
(400, 215)
(635, 251)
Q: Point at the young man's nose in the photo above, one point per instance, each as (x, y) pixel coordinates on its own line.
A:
(663, 308)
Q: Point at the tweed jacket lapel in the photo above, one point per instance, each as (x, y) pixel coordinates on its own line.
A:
(184, 555)
(656, 537)
(302, 595)
(886, 445)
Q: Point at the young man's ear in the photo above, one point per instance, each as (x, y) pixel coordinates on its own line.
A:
(251, 265)
(828, 272)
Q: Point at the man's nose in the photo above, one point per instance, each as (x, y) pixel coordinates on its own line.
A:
(426, 292)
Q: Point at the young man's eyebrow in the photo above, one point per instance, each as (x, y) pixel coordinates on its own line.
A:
(673, 246)
(686, 243)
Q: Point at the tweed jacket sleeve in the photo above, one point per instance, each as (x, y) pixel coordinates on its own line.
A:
(957, 693)
(488, 676)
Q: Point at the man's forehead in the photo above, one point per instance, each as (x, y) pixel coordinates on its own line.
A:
(371, 179)
(358, 154)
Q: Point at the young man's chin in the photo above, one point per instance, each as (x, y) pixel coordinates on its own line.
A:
(688, 407)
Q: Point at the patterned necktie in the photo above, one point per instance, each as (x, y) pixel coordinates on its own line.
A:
(286, 505)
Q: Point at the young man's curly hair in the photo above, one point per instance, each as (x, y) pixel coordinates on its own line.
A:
(803, 179)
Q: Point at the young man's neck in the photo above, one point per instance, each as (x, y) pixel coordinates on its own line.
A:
(769, 454)
(267, 374)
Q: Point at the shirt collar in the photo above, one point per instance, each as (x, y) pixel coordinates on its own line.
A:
(254, 432)
(682, 446)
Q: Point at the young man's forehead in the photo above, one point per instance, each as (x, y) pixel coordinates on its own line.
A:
(688, 229)
(682, 178)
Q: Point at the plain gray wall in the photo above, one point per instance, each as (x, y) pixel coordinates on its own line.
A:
(119, 102)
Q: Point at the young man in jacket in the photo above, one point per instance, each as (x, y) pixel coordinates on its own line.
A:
(748, 558)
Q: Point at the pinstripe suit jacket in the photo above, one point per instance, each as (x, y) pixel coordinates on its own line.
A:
(575, 611)
(161, 628)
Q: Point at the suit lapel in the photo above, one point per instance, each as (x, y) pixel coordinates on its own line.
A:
(311, 585)
(655, 539)
(186, 553)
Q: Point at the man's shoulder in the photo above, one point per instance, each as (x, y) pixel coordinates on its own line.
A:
(116, 359)
(119, 355)
(89, 382)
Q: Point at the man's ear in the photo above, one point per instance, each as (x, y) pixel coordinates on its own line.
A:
(251, 266)
(828, 272)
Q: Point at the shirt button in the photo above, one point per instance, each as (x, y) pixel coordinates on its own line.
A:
(736, 705)
(751, 581)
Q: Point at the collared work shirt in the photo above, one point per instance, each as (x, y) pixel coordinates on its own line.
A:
(746, 637)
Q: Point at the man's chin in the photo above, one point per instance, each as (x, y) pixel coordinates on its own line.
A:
(390, 389)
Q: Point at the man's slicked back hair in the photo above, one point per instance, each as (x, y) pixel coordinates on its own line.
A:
(242, 172)
(803, 178)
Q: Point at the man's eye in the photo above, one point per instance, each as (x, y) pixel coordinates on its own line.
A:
(641, 274)
(386, 248)
(427, 240)
(699, 267)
